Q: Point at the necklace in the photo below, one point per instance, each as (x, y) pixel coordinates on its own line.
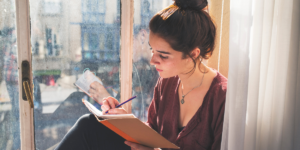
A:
(182, 100)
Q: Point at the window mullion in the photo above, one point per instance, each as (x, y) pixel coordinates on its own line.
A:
(127, 9)
(24, 53)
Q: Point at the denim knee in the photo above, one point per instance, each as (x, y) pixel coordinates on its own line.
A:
(85, 120)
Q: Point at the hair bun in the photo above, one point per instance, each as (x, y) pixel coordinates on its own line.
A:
(191, 4)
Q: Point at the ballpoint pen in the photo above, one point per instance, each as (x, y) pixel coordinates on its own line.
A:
(123, 103)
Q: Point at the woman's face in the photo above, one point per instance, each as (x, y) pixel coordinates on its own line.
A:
(166, 60)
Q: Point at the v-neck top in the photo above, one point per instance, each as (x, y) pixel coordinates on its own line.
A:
(204, 130)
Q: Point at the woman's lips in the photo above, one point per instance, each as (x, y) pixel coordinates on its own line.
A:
(158, 70)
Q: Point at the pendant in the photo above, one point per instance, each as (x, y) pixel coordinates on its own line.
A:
(182, 101)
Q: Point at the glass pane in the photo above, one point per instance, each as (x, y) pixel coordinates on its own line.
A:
(9, 88)
(65, 43)
(102, 6)
(144, 75)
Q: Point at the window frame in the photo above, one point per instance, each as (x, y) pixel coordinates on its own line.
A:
(24, 53)
(127, 9)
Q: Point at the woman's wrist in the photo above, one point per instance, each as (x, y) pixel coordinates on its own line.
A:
(157, 148)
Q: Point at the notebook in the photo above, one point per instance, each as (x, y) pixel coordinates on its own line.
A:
(131, 128)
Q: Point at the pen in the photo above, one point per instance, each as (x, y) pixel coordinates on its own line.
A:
(124, 102)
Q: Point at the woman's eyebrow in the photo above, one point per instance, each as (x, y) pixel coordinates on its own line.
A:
(163, 52)
(160, 51)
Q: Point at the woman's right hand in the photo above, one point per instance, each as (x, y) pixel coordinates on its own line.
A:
(109, 104)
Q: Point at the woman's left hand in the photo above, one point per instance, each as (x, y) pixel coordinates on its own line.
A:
(98, 92)
(135, 146)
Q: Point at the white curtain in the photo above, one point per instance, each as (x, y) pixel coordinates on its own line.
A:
(263, 95)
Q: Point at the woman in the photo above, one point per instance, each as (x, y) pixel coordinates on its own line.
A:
(189, 97)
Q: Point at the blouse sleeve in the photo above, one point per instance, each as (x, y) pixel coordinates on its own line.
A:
(153, 108)
(218, 132)
(219, 112)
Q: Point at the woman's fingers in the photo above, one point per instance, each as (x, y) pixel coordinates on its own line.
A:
(98, 92)
(93, 94)
(112, 102)
(105, 106)
(109, 103)
(95, 85)
(91, 91)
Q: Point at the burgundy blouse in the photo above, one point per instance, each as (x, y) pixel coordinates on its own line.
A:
(204, 130)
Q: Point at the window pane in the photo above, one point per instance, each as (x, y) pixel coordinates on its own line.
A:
(65, 44)
(102, 6)
(144, 75)
(9, 88)
(101, 41)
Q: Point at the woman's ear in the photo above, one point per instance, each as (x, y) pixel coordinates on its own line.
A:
(195, 53)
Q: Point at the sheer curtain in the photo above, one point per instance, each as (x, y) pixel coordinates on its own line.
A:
(263, 98)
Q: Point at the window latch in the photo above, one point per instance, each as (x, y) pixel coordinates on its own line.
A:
(26, 90)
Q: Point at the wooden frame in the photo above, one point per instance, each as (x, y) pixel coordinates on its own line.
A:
(127, 12)
(24, 53)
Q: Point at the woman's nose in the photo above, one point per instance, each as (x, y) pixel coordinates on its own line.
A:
(154, 60)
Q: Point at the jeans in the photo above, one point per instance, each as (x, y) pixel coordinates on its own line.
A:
(89, 134)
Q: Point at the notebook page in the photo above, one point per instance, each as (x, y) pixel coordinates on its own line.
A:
(98, 113)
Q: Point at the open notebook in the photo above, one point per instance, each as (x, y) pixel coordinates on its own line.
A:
(99, 114)
(131, 128)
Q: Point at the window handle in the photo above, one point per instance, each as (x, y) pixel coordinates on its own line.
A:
(28, 93)
(26, 90)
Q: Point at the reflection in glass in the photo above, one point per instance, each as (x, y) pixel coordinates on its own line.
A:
(9, 85)
(82, 34)
(144, 75)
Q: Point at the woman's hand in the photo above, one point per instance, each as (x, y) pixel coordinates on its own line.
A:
(109, 104)
(135, 146)
(98, 92)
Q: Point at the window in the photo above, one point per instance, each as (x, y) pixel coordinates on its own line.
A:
(68, 38)
(144, 76)
(9, 78)
(94, 10)
(52, 7)
(96, 40)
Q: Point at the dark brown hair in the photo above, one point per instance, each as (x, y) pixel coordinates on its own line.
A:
(188, 28)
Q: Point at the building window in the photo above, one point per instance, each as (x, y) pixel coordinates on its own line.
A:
(93, 11)
(52, 7)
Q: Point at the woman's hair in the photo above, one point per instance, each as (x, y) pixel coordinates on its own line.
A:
(188, 28)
